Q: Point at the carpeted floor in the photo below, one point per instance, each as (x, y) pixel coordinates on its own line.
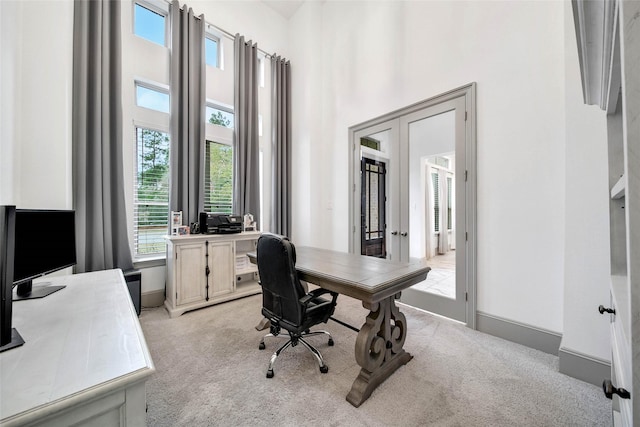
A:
(211, 373)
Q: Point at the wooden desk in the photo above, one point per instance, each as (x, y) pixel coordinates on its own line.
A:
(84, 361)
(377, 283)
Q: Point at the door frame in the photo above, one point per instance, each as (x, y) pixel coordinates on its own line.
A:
(468, 93)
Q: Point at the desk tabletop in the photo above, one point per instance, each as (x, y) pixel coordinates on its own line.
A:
(80, 340)
(362, 277)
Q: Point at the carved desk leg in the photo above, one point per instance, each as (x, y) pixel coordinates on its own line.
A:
(379, 348)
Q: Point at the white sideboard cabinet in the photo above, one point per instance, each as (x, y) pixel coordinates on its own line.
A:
(206, 269)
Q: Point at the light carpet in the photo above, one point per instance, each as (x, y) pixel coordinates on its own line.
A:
(209, 372)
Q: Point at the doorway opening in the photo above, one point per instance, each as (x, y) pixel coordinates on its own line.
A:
(439, 231)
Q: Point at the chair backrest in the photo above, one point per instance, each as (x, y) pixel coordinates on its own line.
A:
(281, 288)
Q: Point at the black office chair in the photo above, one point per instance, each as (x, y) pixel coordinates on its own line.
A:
(284, 300)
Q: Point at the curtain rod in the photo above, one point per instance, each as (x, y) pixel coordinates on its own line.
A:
(233, 37)
(225, 32)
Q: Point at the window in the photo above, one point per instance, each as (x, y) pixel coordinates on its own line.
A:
(372, 143)
(436, 202)
(449, 203)
(211, 45)
(152, 98)
(441, 161)
(151, 192)
(261, 61)
(219, 116)
(150, 23)
(218, 180)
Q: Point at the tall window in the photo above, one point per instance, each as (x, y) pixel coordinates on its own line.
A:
(151, 192)
(211, 49)
(218, 181)
(150, 22)
(436, 202)
(449, 203)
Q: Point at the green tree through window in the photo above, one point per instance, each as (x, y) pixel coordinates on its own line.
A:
(219, 178)
(218, 185)
(151, 210)
(219, 119)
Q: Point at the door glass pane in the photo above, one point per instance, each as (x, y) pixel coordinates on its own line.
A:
(373, 208)
(431, 180)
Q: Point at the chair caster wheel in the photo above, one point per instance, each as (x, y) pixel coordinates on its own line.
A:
(261, 346)
(270, 373)
(324, 369)
(330, 342)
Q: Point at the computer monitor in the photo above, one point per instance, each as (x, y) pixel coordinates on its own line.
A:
(45, 241)
(9, 337)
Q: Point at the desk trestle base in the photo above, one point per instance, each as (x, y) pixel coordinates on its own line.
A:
(379, 349)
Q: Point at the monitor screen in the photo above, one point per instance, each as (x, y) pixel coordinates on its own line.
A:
(45, 241)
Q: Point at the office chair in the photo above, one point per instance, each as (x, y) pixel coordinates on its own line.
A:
(284, 300)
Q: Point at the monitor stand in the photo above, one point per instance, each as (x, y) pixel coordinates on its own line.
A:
(16, 341)
(27, 291)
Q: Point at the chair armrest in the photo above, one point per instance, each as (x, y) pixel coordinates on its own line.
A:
(316, 293)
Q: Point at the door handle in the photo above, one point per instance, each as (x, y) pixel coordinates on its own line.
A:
(603, 310)
(394, 233)
(404, 234)
(609, 390)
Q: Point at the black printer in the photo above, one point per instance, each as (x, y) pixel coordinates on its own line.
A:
(216, 223)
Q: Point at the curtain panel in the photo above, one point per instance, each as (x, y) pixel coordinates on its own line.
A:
(98, 178)
(281, 145)
(246, 189)
(187, 129)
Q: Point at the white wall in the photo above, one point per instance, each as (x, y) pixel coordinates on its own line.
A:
(376, 57)
(9, 80)
(585, 330)
(36, 103)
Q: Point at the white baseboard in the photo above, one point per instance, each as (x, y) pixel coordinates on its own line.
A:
(586, 368)
(571, 363)
(153, 298)
(520, 333)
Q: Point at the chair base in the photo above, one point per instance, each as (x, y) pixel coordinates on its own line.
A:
(293, 341)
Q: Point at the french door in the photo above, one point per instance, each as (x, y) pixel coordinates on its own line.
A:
(432, 150)
(429, 153)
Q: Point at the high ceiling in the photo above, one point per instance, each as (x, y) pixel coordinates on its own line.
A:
(286, 8)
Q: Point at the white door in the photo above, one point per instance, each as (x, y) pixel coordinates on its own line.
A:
(434, 139)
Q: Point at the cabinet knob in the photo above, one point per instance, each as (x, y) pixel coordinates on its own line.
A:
(604, 310)
(404, 234)
(394, 233)
(609, 390)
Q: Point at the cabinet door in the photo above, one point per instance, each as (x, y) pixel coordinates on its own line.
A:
(190, 273)
(221, 266)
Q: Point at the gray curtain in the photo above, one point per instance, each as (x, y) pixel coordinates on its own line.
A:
(246, 189)
(281, 145)
(187, 113)
(98, 178)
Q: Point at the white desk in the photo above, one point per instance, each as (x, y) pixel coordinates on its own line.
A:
(85, 359)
